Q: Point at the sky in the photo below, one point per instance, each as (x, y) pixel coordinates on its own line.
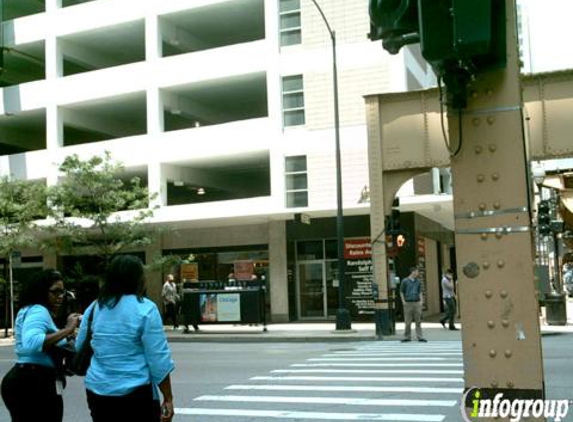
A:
(551, 34)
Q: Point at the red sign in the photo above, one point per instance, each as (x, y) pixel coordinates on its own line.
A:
(357, 248)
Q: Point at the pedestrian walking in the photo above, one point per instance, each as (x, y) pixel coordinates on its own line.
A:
(170, 300)
(32, 389)
(411, 294)
(131, 358)
(449, 296)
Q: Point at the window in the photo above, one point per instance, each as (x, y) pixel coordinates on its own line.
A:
(290, 32)
(296, 181)
(293, 101)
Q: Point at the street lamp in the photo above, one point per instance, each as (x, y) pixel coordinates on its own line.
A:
(342, 314)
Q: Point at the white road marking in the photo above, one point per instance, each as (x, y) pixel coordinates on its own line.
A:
(285, 414)
(384, 358)
(388, 353)
(369, 371)
(362, 389)
(361, 379)
(332, 400)
(378, 365)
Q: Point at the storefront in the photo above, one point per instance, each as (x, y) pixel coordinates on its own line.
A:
(313, 269)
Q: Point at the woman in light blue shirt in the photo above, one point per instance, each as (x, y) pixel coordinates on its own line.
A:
(131, 356)
(31, 389)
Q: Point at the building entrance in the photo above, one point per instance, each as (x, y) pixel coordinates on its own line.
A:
(318, 289)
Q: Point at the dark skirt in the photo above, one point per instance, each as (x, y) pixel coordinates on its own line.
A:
(29, 392)
(139, 405)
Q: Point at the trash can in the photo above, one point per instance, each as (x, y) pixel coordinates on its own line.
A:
(555, 308)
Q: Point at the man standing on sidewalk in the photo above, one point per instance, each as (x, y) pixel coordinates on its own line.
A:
(170, 300)
(411, 294)
(449, 296)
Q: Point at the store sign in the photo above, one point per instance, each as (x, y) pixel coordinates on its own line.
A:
(190, 271)
(243, 270)
(358, 255)
(357, 248)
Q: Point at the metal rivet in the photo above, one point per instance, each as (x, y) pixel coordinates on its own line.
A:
(476, 121)
(499, 234)
(488, 294)
(505, 323)
(492, 353)
(488, 91)
(495, 177)
(490, 120)
(503, 294)
(480, 178)
(478, 149)
(491, 324)
(496, 205)
(492, 147)
(485, 265)
(474, 94)
(483, 236)
(509, 384)
(508, 353)
(500, 263)
(494, 384)
(482, 206)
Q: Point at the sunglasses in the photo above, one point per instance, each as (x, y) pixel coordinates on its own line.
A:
(57, 292)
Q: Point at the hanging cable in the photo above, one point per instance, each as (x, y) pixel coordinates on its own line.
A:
(446, 140)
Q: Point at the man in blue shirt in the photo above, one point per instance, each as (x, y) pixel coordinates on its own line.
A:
(411, 294)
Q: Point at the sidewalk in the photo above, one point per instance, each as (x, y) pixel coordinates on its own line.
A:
(321, 332)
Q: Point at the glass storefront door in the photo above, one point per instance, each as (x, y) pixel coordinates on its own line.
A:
(318, 288)
(311, 289)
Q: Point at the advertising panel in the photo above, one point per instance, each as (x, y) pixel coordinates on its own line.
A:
(358, 255)
(220, 307)
(228, 307)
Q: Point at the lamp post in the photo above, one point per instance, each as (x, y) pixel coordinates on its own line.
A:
(342, 314)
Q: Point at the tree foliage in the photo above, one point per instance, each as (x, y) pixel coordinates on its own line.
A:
(21, 204)
(95, 207)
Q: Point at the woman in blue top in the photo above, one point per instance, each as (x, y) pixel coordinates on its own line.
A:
(131, 356)
(30, 389)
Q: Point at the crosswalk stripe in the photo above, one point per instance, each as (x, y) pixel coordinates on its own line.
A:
(331, 400)
(383, 358)
(362, 389)
(387, 353)
(368, 371)
(370, 379)
(285, 414)
(378, 365)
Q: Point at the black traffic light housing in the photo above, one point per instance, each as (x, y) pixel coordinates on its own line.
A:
(395, 22)
(459, 38)
(544, 218)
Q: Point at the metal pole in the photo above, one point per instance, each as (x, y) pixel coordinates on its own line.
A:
(11, 276)
(342, 315)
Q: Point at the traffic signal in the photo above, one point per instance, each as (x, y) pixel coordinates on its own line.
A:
(544, 218)
(395, 22)
(458, 38)
(401, 240)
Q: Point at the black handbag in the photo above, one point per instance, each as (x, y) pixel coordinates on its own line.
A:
(81, 361)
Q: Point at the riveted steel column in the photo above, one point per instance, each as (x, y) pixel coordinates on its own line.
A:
(494, 243)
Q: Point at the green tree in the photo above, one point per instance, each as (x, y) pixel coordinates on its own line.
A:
(22, 203)
(96, 208)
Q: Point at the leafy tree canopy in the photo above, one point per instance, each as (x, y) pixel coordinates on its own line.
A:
(95, 206)
(21, 204)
